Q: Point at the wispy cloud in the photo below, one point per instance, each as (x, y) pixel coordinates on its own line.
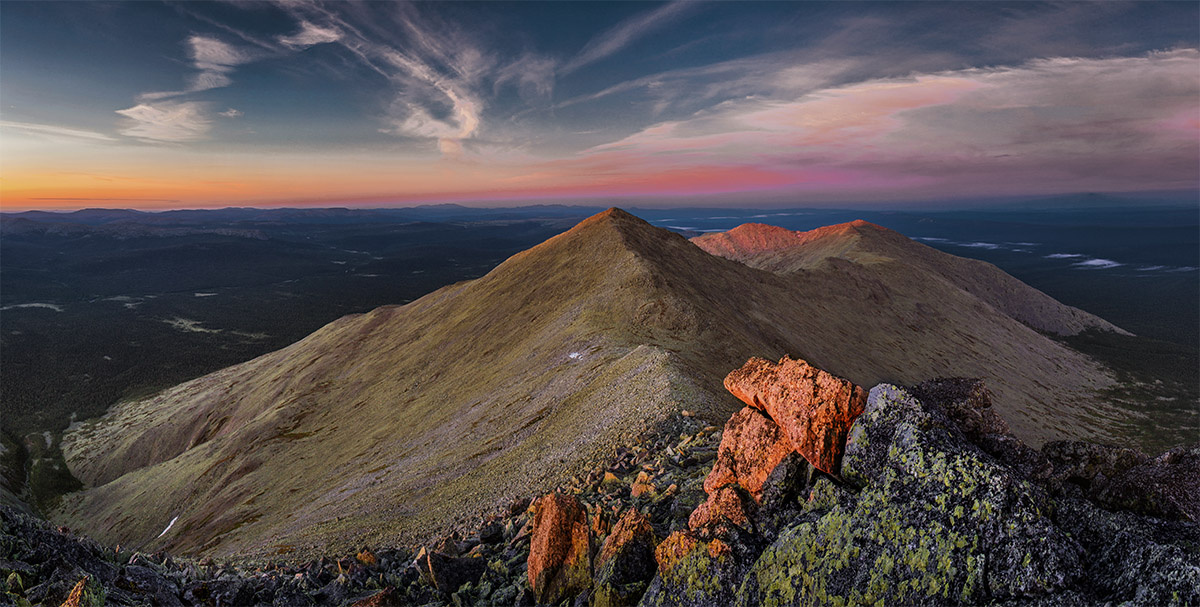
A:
(1063, 123)
(311, 35)
(156, 118)
(231, 113)
(166, 121)
(625, 33)
(53, 131)
(215, 61)
(438, 73)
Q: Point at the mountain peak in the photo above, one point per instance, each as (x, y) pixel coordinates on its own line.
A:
(866, 244)
(604, 236)
(752, 239)
(612, 216)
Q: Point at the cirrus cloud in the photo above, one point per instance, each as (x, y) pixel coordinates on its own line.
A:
(166, 121)
(1065, 123)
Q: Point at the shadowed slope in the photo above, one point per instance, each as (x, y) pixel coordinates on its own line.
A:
(390, 425)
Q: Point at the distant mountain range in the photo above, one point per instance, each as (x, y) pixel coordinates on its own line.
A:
(386, 426)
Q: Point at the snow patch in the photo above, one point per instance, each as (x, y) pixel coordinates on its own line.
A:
(1064, 255)
(169, 525)
(203, 294)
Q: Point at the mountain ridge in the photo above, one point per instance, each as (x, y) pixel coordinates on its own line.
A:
(493, 389)
(785, 252)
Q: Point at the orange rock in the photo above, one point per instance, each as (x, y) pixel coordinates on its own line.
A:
(725, 504)
(642, 486)
(752, 446)
(560, 563)
(75, 599)
(813, 408)
(629, 548)
(718, 549)
(600, 523)
(675, 547)
(367, 558)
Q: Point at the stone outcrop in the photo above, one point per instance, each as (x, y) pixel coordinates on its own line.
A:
(813, 408)
(560, 559)
(933, 504)
(1167, 486)
(752, 446)
(723, 506)
(693, 572)
(934, 521)
(448, 573)
(625, 563)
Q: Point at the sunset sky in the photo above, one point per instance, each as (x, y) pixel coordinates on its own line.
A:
(192, 104)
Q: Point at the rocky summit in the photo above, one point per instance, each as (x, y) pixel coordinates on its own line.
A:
(932, 502)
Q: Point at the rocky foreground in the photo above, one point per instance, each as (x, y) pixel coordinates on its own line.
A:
(816, 493)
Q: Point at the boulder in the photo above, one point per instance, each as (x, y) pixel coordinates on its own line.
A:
(367, 558)
(76, 598)
(625, 563)
(1135, 560)
(966, 401)
(1089, 466)
(935, 521)
(642, 487)
(1167, 486)
(560, 560)
(693, 572)
(968, 404)
(752, 446)
(813, 408)
(448, 573)
(725, 505)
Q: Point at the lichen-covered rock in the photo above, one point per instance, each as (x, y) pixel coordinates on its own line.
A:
(936, 521)
(1089, 466)
(813, 408)
(966, 401)
(693, 572)
(968, 404)
(625, 563)
(1133, 560)
(560, 561)
(1167, 486)
(752, 446)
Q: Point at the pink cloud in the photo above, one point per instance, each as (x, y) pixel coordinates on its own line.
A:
(1050, 125)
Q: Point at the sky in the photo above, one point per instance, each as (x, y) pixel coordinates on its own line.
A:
(159, 105)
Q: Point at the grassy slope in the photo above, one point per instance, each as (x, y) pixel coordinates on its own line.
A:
(384, 426)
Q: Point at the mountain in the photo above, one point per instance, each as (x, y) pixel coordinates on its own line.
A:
(889, 256)
(390, 425)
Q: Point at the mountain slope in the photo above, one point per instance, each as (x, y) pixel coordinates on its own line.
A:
(390, 425)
